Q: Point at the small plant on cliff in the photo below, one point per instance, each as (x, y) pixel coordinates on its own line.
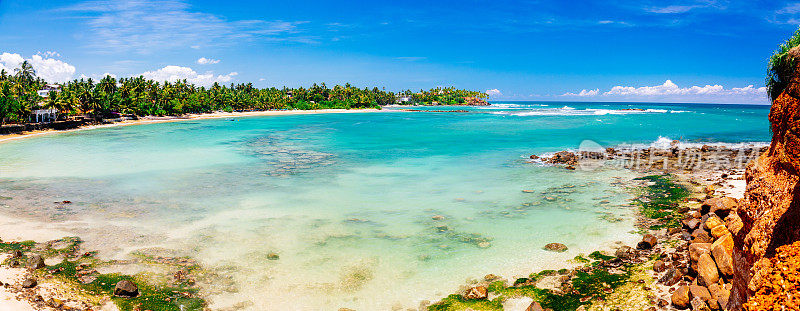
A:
(781, 66)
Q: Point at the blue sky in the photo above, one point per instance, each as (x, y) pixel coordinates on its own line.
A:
(682, 51)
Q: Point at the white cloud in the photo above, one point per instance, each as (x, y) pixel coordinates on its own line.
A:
(494, 92)
(671, 91)
(673, 9)
(49, 69)
(207, 61)
(584, 93)
(146, 27)
(175, 73)
(786, 15)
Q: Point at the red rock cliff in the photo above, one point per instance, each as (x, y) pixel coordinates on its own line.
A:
(770, 209)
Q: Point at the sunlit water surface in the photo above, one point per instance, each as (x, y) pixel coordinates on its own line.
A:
(348, 200)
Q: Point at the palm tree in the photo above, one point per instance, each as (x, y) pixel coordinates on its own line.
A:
(25, 73)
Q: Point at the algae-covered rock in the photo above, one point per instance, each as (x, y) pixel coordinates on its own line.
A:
(126, 288)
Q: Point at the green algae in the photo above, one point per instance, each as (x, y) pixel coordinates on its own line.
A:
(597, 255)
(660, 200)
(179, 297)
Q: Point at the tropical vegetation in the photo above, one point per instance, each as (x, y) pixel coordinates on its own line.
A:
(138, 96)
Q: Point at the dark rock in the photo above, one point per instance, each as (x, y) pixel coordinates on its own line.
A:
(701, 236)
(126, 288)
(556, 247)
(16, 254)
(36, 262)
(671, 277)
(29, 282)
(273, 256)
(659, 266)
(648, 241)
(697, 249)
(624, 252)
(691, 224)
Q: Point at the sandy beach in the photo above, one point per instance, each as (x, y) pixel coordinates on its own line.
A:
(213, 115)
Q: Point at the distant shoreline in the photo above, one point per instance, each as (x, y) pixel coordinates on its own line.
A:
(214, 115)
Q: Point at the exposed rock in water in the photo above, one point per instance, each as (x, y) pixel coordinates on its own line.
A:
(126, 288)
(770, 208)
(556, 247)
(478, 292)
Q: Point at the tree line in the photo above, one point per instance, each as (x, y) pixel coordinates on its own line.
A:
(138, 96)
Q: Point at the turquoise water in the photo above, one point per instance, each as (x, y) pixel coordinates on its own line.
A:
(348, 200)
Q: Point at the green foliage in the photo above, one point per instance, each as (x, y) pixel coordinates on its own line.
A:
(660, 200)
(781, 66)
(449, 96)
(110, 97)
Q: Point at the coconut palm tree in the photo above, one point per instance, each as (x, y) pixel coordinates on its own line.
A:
(25, 73)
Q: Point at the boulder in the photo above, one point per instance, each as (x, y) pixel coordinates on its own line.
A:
(36, 262)
(701, 236)
(672, 277)
(680, 297)
(712, 222)
(691, 224)
(734, 223)
(126, 288)
(697, 249)
(726, 242)
(721, 205)
(659, 266)
(29, 282)
(723, 259)
(648, 241)
(707, 269)
(478, 292)
(719, 231)
(624, 252)
(556, 247)
(700, 291)
(720, 294)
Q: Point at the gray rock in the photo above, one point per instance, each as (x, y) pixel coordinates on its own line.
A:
(126, 288)
(29, 282)
(36, 262)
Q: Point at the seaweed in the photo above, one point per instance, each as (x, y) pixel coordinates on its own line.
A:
(660, 200)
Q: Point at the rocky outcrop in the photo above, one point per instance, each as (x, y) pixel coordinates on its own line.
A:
(770, 210)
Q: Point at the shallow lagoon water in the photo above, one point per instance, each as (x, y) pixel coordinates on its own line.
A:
(347, 200)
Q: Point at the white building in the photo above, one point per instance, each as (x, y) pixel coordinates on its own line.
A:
(403, 99)
(45, 91)
(44, 115)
